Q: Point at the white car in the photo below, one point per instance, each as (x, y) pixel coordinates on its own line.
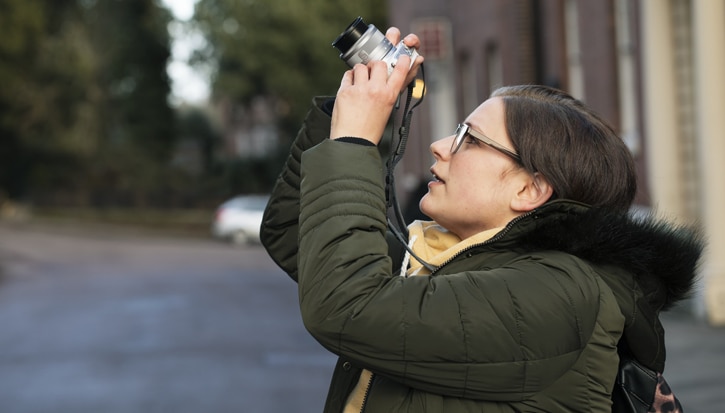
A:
(238, 219)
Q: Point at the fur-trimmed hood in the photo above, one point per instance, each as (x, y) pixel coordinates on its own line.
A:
(660, 257)
(654, 250)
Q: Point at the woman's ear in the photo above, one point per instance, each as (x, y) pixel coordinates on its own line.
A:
(534, 192)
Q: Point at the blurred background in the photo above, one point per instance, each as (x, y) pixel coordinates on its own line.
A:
(133, 133)
(146, 105)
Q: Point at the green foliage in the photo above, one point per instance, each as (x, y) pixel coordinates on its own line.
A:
(133, 42)
(84, 113)
(279, 48)
(40, 87)
(83, 107)
(279, 52)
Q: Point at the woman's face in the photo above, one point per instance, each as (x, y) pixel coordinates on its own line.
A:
(472, 189)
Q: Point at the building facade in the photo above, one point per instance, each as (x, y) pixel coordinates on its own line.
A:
(655, 69)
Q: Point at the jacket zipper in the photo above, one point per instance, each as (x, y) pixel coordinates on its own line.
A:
(367, 393)
(498, 236)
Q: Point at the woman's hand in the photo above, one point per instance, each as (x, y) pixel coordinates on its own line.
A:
(367, 94)
(413, 42)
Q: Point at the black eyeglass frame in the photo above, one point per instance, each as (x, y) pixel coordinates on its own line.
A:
(464, 129)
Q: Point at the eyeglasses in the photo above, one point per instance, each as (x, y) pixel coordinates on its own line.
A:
(465, 129)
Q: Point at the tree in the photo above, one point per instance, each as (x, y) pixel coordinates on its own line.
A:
(137, 132)
(42, 68)
(132, 41)
(83, 107)
(279, 49)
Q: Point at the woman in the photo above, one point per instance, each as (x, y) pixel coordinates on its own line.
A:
(538, 274)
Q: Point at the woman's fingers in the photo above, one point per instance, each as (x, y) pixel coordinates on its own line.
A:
(361, 73)
(347, 78)
(398, 77)
(412, 41)
(393, 34)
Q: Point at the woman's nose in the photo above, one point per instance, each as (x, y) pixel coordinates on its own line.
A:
(442, 147)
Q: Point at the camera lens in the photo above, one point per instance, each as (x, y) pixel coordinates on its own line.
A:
(351, 35)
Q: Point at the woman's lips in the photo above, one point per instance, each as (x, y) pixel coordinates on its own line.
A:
(436, 178)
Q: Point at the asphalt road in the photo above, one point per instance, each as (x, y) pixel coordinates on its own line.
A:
(99, 321)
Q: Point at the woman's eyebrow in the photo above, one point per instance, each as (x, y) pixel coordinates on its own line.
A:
(478, 129)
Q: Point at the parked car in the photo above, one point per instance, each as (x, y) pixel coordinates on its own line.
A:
(238, 219)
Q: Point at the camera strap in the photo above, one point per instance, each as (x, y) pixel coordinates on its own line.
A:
(397, 150)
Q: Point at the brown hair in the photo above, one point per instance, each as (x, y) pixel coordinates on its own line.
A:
(580, 155)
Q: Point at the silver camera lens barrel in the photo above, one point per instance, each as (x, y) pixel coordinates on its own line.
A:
(361, 43)
(373, 45)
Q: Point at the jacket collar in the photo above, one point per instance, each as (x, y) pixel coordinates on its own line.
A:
(658, 253)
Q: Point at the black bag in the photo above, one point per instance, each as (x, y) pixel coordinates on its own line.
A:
(638, 389)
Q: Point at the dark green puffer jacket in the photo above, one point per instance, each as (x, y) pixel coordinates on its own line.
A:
(528, 321)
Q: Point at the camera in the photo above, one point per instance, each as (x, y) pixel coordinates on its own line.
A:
(362, 43)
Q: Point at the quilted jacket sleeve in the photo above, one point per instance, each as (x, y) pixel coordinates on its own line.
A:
(280, 221)
(497, 334)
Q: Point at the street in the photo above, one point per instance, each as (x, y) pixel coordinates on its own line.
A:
(99, 321)
(93, 322)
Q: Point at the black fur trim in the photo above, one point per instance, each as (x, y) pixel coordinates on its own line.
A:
(657, 252)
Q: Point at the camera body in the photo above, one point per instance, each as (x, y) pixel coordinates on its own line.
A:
(363, 43)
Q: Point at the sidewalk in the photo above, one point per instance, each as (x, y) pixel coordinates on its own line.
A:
(695, 367)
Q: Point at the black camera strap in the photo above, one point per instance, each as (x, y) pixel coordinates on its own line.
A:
(397, 150)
